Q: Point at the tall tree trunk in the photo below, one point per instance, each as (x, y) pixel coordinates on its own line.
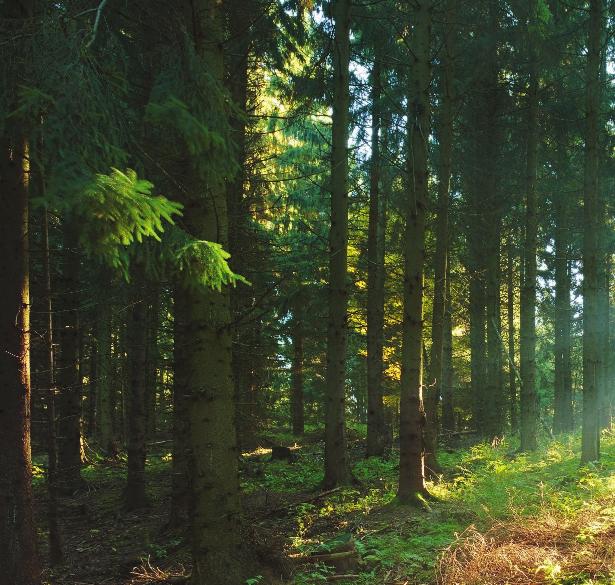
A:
(563, 417)
(18, 556)
(105, 411)
(412, 415)
(494, 421)
(134, 495)
(337, 469)
(180, 488)
(215, 503)
(606, 389)
(527, 346)
(510, 312)
(92, 390)
(69, 422)
(151, 359)
(478, 322)
(297, 408)
(434, 386)
(55, 541)
(375, 277)
(448, 405)
(593, 224)
(241, 13)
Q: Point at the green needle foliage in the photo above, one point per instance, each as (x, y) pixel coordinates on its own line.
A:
(117, 210)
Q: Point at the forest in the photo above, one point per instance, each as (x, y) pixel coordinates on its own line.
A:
(299, 292)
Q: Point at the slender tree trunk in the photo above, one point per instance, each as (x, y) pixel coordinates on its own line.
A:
(375, 278)
(448, 405)
(69, 423)
(513, 407)
(529, 399)
(180, 487)
(592, 227)
(105, 411)
(563, 418)
(412, 414)
(134, 495)
(151, 358)
(434, 386)
(18, 556)
(337, 469)
(55, 541)
(297, 409)
(92, 390)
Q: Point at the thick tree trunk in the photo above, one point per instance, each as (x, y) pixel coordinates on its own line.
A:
(296, 398)
(337, 468)
(217, 552)
(134, 495)
(18, 556)
(69, 404)
(412, 415)
(435, 381)
(593, 219)
(375, 278)
(529, 400)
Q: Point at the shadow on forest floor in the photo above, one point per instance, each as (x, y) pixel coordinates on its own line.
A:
(498, 518)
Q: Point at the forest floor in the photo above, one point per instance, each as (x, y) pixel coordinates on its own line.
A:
(497, 518)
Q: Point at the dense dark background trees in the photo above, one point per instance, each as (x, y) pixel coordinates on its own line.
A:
(399, 187)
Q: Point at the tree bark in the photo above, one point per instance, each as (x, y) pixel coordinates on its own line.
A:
(527, 346)
(69, 404)
(134, 495)
(18, 557)
(412, 414)
(180, 486)
(435, 382)
(375, 277)
(105, 411)
(593, 224)
(55, 540)
(510, 311)
(218, 554)
(297, 408)
(337, 468)
(563, 416)
(448, 404)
